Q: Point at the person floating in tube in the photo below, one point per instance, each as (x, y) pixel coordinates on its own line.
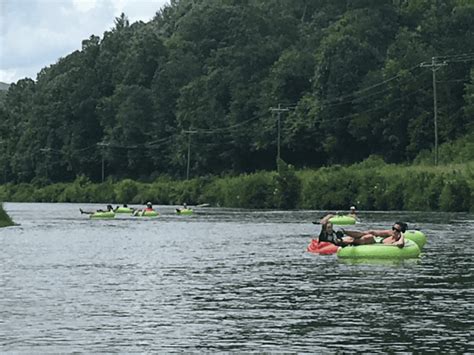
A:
(148, 208)
(353, 212)
(185, 207)
(124, 206)
(345, 237)
(109, 209)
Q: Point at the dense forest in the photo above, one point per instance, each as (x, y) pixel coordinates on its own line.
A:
(217, 87)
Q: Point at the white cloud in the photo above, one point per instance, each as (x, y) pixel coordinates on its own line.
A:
(8, 76)
(36, 33)
(84, 5)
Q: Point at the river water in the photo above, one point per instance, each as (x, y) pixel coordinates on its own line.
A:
(227, 280)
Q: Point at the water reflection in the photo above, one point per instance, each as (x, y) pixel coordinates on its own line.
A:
(381, 262)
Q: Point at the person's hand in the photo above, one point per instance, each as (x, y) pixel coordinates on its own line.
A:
(400, 245)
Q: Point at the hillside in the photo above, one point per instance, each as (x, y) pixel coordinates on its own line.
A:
(4, 86)
(212, 87)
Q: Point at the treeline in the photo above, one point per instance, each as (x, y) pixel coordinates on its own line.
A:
(207, 75)
(371, 185)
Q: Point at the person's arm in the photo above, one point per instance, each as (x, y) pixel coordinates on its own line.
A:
(384, 233)
(326, 218)
(354, 234)
(400, 242)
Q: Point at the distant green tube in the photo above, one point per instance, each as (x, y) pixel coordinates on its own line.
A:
(146, 214)
(184, 211)
(380, 251)
(102, 215)
(342, 220)
(124, 210)
(416, 236)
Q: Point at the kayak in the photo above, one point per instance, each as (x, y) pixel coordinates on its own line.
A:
(323, 248)
(124, 210)
(380, 251)
(98, 215)
(416, 236)
(184, 211)
(146, 214)
(342, 220)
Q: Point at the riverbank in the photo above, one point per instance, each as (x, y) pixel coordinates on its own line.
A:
(370, 185)
(5, 220)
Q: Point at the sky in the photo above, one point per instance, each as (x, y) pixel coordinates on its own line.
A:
(35, 33)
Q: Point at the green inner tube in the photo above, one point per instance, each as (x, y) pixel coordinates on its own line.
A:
(342, 220)
(98, 215)
(184, 211)
(380, 251)
(416, 236)
(124, 210)
(146, 214)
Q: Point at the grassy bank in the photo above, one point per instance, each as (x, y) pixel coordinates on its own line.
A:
(371, 185)
(5, 220)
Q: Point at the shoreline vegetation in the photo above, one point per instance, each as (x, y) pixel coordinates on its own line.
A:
(370, 185)
(5, 220)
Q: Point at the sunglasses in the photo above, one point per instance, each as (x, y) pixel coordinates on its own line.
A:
(395, 229)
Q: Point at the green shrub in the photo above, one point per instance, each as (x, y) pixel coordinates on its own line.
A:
(101, 193)
(161, 192)
(455, 195)
(415, 184)
(50, 193)
(313, 194)
(288, 187)
(22, 193)
(125, 191)
(433, 192)
(5, 219)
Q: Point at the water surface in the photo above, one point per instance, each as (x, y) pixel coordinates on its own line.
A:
(226, 280)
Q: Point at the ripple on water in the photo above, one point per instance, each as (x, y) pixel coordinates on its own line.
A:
(226, 280)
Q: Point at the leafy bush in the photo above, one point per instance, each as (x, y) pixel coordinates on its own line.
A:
(368, 185)
(22, 193)
(5, 219)
(288, 187)
(125, 191)
(455, 196)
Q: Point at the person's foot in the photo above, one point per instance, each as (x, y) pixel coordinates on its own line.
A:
(80, 209)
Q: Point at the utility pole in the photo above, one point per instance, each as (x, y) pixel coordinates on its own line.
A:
(434, 67)
(103, 144)
(278, 110)
(189, 152)
(46, 151)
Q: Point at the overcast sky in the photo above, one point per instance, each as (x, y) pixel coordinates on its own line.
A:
(36, 33)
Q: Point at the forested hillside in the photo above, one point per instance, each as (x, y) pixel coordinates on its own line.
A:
(345, 79)
(4, 86)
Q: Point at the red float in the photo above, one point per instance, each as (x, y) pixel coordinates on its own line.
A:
(323, 248)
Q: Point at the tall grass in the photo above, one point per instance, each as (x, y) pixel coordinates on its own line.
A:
(370, 185)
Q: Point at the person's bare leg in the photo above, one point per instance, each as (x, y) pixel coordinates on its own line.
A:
(365, 239)
(354, 234)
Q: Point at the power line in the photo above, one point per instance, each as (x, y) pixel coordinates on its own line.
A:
(334, 100)
(455, 55)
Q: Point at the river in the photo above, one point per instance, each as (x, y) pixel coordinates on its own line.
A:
(225, 280)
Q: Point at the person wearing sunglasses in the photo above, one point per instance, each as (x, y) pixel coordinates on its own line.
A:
(345, 237)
